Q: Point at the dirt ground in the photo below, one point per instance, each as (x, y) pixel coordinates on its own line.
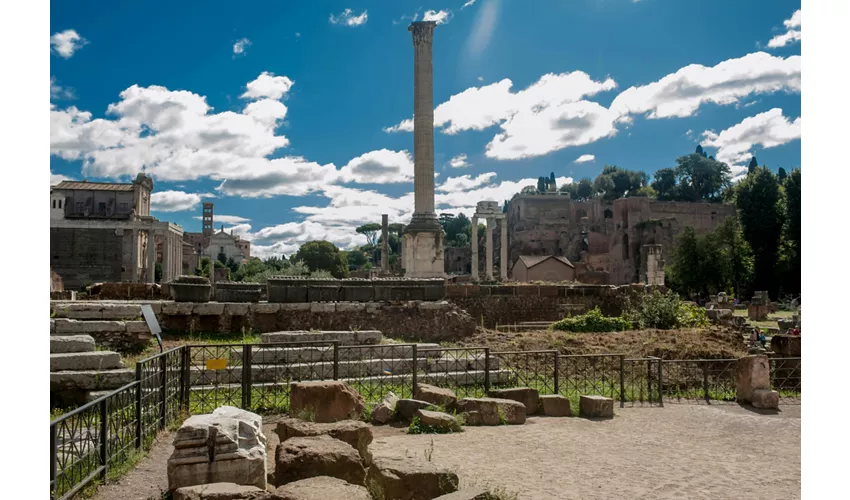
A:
(693, 343)
(679, 451)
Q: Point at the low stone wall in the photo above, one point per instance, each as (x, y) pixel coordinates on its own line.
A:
(123, 336)
(411, 320)
(493, 305)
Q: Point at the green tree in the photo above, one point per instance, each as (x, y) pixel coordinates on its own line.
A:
(356, 259)
(664, 184)
(685, 270)
(274, 262)
(253, 266)
(370, 231)
(323, 256)
(529, 190)
(737, 257)
(701, 179)
(222, 259)
(781, 175)
(584, 189)
(793, 230)
(761, 210)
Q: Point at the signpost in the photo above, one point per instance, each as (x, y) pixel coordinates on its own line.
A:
(153, 324)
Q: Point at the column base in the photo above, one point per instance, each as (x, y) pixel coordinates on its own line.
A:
(422, 253)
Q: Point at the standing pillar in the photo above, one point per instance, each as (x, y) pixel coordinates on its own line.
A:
(489, 257)
(151, 274)
(135, 256)
(167, 257)
(474, 243)
(503, 248)
(385, 243)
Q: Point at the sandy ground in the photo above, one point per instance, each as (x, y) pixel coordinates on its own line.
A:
(679, 451)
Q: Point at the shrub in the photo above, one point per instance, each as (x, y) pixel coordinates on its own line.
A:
(665, 311)
(691, 316)
(417, 427)
(592, 322)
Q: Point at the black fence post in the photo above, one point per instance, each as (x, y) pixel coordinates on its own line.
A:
(185, 381)
(414, 370)
(336, 359)
(649, 379)
(52, 460)
(104, 437)
(660, 384)
(622, 381)
(705, 381)
(162, 399)
(486, 371)
(247, 362)
(557, 373)
(138, 405)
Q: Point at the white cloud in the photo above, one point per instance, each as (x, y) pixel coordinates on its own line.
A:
(465, 182)
(175, 201)
(268, 86)
(469, 3)
(483, 27)
(792, 33)
(680, 94)
(59, 92)
(584, 159)
(226, 219)
(379, 167)
(459, 161)
(65, 43)
(57, 178)
(441, 17)
(769, 129)
(480, 78)
(347, 18)
(240, 46)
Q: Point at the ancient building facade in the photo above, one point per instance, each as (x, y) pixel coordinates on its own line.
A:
(209, 243)
(605, 240)
(103, 232)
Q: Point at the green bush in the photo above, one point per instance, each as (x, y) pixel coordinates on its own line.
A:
(665, 311)
(691, 316)
(592, 322)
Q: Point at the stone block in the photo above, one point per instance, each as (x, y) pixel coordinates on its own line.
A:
(350, 307)
(71, 343)
(595, 407)
(555, 405)
(383, 412)
(788, 346)
(137, 327)
(525, 395)
(354, 432)
(208, 309)
(468, 494)
(325, 401)
(438, 419)
(297, 307)
(226, 446)
(52, 326)
(122, 311)
(410, 478)
(435, 395)
(752, 373)
(177, 308)
(322, 307)
(264, 308)
(405, 409)
(236, 309)
(78, 311)
(321, 488)
(81, 361)
(217, 491)
(76, 326)
(90, 380)
(765, 399)
(305, 457)
(492, 411)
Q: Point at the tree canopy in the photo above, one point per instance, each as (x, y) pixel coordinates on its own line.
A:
(323, 255)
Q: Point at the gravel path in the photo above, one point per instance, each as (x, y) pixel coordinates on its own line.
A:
(680, 451)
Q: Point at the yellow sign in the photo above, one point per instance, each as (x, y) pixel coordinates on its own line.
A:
(216, 364)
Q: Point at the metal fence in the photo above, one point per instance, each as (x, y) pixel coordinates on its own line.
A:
(195, 379)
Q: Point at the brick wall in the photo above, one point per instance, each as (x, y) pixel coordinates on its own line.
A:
(83, 256)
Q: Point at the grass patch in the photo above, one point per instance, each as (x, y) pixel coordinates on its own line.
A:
(417, 427)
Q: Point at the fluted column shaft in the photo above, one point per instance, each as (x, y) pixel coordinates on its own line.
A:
(489, 257)
(503, 249)
(423, 119)
(474, 243)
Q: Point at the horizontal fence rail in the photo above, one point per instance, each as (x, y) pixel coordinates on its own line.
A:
(195, 379)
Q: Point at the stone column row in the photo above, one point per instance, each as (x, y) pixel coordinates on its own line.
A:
(151, 251)
(474, 248)
(488, 257)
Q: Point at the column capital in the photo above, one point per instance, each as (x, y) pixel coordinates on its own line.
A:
(423, 31)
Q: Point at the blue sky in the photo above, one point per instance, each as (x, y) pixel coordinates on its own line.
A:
(290, 116)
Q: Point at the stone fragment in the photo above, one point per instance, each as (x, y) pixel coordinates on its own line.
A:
(435, 395)
(752, 372)
(468, 494)
(217, 491)
(208, 309)
(325, 401)
(555, 405)
(788, 346)
(438, 419)
(236, 309)
(81, 361)
(384, 411)
(765, 399)
(226, 446)
(321, 488)
(264, 308)
(177, 308)
(525, 395)
(492, 411)
(122, 311)
(90, 380)
(472, 418)
(406, 408)
(74, 326)
(355, 433)
(304, 457)
(410, 479)
(137, 327)
(595, 407)
(71, 343)
(78, 311)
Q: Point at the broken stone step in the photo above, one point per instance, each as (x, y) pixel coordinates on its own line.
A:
(274, 355)
(71, 343)
(362, 337)
(95, 311)
(91, 380)
(81, 361)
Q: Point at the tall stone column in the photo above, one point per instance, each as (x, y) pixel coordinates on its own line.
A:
(474, 244)
(503, 248)
(385, 243)
(134, 258)
(151, 274)
(167, 257)
(489, 257)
